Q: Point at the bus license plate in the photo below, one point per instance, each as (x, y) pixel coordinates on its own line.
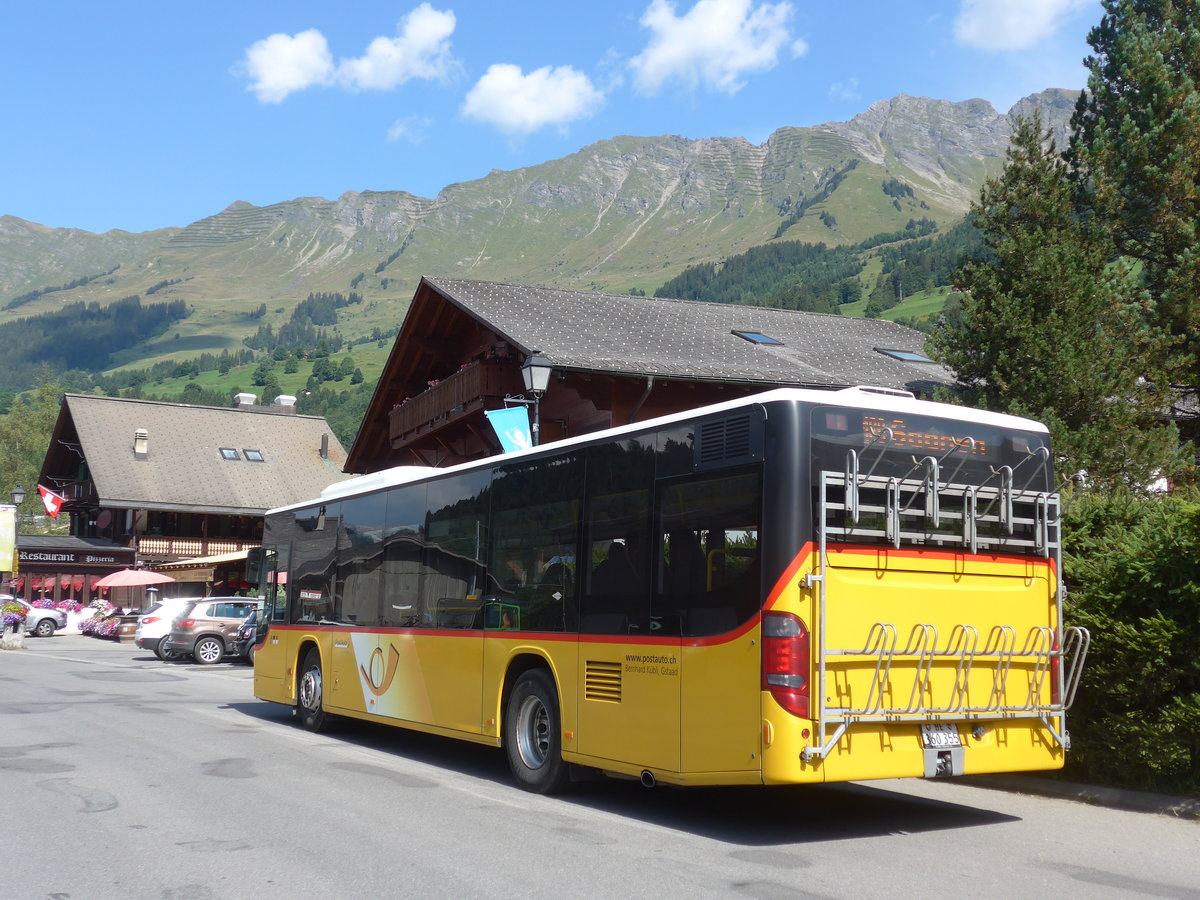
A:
(940, 736)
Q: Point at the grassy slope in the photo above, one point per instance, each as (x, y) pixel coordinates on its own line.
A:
(368, 357)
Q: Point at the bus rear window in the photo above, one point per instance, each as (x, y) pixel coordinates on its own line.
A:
(895, 445)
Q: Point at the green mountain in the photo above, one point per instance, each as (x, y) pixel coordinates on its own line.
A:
(623, 214)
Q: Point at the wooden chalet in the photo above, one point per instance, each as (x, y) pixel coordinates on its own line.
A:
(616, 359)
(154, 484)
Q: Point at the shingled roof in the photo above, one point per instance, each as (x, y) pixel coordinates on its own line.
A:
(183, 468)
(684, 339)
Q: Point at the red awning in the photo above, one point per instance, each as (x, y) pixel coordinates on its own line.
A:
(65, 582)
(77, 583)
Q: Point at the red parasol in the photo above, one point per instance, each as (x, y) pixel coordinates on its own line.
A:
(132, 578)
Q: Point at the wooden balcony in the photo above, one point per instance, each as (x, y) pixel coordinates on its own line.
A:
(481, 385)
(189, 548)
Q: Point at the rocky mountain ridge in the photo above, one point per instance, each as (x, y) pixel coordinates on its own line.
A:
(622, 213)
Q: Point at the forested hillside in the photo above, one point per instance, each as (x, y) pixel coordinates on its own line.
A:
(819, 278)
(83, 336)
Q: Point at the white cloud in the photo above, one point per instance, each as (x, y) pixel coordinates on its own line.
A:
(714, 44)
(411, 129)
(283, 63)
(845, 90)
(1011, 24)
(521, 104)
(421, 49)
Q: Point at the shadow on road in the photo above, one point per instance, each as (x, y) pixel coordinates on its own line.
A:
(749, 816)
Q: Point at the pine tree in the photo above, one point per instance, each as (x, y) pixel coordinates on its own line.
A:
(1043, 329)
(24, 436)
(1137, 144)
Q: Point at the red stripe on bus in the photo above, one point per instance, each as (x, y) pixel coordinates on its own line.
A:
(800, 561)
(544, 636)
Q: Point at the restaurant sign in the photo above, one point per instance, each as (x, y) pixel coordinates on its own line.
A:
(67, 559)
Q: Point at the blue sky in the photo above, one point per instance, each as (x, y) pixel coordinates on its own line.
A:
(136, 116)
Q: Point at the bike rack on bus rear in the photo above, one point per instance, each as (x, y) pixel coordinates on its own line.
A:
(920, 509)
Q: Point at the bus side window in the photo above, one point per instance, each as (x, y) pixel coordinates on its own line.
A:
(360, 561)
(710, 569)
(316, 540)
(453, 577)
(403, 551)
(535, 515)
(615, 596)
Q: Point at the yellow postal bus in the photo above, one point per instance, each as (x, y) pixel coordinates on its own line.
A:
(799, 586)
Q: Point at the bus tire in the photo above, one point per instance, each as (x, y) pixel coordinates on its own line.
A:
(533, 734)
(310, 693)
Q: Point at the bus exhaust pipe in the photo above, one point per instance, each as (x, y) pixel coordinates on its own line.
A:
(648, 780)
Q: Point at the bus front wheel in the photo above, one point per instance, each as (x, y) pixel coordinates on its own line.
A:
(309, 693)
(533, 734)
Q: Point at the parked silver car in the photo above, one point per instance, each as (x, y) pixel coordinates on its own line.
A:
(39, 622)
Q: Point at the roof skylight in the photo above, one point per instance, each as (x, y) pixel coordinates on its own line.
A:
(904, 355)
(756, 337)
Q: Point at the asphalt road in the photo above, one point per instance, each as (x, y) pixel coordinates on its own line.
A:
(125, 777)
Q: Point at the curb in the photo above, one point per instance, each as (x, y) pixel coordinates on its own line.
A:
(1118, 798)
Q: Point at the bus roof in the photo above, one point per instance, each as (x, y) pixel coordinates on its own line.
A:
(861, 397)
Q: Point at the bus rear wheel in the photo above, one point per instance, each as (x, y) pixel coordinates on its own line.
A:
(533, 734)
(310, 693)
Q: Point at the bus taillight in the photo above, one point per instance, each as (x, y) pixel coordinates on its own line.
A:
(785, 661)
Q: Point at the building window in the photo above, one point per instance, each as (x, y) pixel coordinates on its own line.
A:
(253, 455)
(756, 337)
(904, 355)
(229, 453)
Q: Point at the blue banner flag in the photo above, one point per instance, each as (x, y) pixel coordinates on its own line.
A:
(512, 427)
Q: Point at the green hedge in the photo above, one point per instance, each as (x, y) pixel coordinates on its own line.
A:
(1132, 567)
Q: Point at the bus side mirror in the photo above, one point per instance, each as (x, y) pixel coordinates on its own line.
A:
(254, 565)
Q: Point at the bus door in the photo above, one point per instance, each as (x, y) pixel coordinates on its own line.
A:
(708, 587)
(629, 661)
(268, 568)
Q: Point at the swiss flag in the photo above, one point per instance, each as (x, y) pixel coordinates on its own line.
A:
(52, 501)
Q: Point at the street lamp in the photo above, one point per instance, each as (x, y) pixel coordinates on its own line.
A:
(535, 372)
(18, 497)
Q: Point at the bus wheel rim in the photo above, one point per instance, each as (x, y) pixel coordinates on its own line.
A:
(533, 732)
(310, 689)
